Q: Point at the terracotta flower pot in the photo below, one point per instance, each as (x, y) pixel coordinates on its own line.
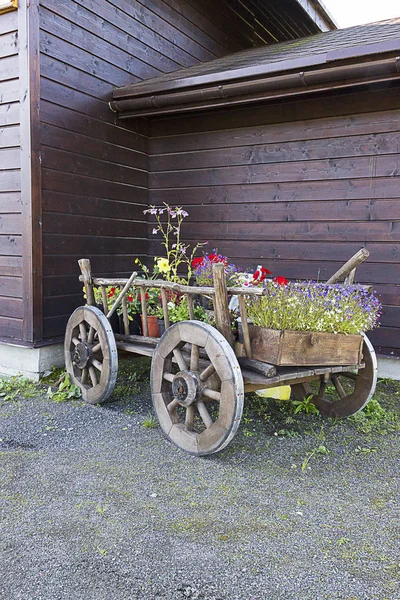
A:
(152, 326)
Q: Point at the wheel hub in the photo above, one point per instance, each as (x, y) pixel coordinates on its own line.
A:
(185, 388)
(81, 355)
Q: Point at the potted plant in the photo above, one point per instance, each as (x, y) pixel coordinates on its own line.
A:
(310, 323)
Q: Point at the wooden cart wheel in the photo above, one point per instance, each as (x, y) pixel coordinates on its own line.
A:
(197, 387)
(344, 394)
(91, 355)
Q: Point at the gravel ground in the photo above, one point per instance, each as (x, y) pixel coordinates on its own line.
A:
(95, 506)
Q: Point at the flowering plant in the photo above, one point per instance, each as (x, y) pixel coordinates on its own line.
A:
(313, 306)
(202, 268)
(178, 254)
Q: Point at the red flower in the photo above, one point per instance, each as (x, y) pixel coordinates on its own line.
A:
(111, 293)
(196, 262)
(146, 296)
(130, 298)
(280, 280)
(260, 274)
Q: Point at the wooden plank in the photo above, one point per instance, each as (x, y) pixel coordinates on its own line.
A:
(9, 68)
(277, 211)
(29, 70)
(72, 120)
(8, 44)
(11, 265)
(98, 53)
(10, 224)
(352, 126)
(91, 186)
(117, 265)
(11, 287)
(70, 204)
(56, 137)
(9, 90)
(64, 244)
(350, 189)
(366, 101)
(8, 22)
(312, 170)
(159, 19)
(11, 307)
(9, 136)
(86, 166)
(10, 202)
(334, 231)
(11, 328)
(10, 159)
(10, 181)
(9, 114)
(270, 153)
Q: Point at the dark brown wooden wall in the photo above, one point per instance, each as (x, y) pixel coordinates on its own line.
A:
(297, 186)
(11, 311)
(94, 171)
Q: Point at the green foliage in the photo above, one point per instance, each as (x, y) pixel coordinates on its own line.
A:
(150, 421)
(180, 312)
(374, 417)
(305, 406)
(12, 387)
(65, 391)
(315, 451)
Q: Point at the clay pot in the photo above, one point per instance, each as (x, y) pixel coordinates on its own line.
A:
(152, 325)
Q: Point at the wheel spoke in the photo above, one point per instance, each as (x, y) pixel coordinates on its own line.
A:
(93, 376)
(194, 358)
(84, 376)
(210, 370)
(75, 341)
(92, 331)
(338, 386)
(189, 418)
(82, 330)
(179, 359)
(172, 405)
(96, 348)
(211, 394)
(349, 375)
(96, 363)
(169, 377)
(205, 415)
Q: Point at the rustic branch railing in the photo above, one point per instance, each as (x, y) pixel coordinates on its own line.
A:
(218, 294)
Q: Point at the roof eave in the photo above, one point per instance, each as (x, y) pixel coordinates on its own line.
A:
(319, 14)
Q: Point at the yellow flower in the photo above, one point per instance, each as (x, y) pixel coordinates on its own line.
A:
(163, 265)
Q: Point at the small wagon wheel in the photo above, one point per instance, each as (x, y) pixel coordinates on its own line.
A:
(91, 355)
(197, 387)
(348, 392)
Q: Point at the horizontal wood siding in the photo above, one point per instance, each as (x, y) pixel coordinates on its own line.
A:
(297, 186)
(11, 310)
(94, 171)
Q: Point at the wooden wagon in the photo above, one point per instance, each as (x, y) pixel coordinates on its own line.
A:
(198, 377)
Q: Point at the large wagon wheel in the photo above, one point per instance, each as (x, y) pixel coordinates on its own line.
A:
(91, 355)
(197, 387)
(344, 394)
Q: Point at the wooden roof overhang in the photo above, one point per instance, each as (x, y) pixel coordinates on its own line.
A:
(249, 76)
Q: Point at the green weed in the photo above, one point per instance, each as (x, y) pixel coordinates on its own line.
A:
(319, 450)
(65, 391)
(150, 422)
(12, 387)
